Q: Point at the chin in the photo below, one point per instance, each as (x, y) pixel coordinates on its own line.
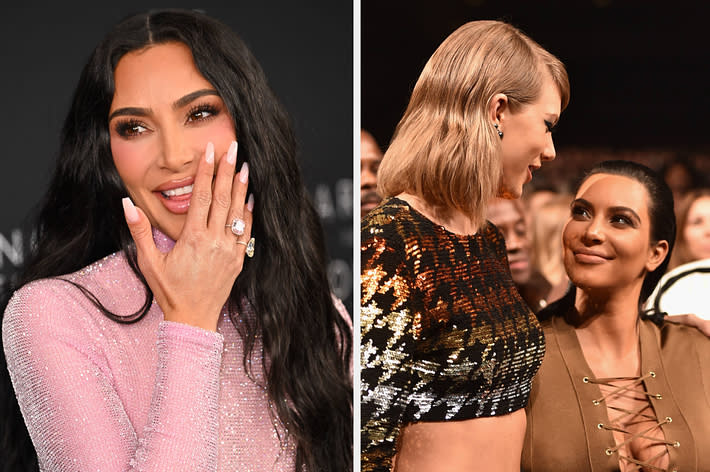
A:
(510, 193)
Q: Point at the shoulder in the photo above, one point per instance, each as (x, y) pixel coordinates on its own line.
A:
(386, 232)
(492, 235)
(59, 300)
(389, 221)
(674, 336)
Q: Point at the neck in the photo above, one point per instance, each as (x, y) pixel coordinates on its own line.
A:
(607, 329)
(451, 219)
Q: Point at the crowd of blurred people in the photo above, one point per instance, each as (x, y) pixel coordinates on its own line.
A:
(532, 227)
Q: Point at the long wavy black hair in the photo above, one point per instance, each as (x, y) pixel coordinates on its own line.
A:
(662, 223)
(306, 342)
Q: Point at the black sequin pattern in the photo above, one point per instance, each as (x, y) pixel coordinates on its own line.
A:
(444, 333)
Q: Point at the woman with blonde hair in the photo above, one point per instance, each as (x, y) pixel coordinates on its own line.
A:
(448, 346)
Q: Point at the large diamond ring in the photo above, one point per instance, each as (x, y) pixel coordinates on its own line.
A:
(237, 226)
(250, 247)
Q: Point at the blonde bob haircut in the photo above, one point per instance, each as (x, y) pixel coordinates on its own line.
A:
(445, 149)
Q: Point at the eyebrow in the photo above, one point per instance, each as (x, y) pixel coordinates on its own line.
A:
(612, 209)
(179, 103)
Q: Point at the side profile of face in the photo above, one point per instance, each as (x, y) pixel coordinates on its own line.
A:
(527, 138)
(163, 114)
(509, 218)
(696, 232)
(370, 158)
(606, 241)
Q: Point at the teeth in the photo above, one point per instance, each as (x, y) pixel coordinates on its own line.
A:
(177, 191)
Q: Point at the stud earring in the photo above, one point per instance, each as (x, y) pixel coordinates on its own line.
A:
(500, 133)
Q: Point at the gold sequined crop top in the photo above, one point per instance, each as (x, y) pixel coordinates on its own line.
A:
(444, 333)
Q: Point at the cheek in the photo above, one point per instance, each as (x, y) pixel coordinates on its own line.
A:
(568, 232)
(220, 133)
(569, 235)
(130, 160)
(691, 234)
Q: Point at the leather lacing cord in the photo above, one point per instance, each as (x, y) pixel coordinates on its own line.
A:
(635, 385)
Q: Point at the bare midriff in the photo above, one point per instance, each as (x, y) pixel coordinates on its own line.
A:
(493, 444)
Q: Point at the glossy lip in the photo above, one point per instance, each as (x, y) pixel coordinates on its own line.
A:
(175, 184)
(178, 204)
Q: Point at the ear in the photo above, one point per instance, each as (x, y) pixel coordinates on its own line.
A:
(498, 107)
(656, 254)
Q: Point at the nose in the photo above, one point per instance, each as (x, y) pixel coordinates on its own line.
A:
(593, 233)
(176, 150)
(515, 242)
(548, 153)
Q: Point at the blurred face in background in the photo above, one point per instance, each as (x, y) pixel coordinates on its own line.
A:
(679, 180)
(508, 216)
(697, 229)
(370, 158)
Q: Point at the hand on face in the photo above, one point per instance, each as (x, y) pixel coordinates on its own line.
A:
(192, 282)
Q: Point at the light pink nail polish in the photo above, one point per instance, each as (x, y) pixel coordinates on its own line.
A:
(250, 202)
(209, 153)
(130, 211)
(244, 173)
(232, 153)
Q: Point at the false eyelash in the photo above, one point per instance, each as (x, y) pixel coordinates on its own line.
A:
(578, 210)
(203, 108)
(625, 219)
(124, 128)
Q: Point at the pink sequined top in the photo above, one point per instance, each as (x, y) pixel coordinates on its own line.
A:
(154, 395)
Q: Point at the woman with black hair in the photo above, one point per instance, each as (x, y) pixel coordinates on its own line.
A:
(617, 390)
(176, 314)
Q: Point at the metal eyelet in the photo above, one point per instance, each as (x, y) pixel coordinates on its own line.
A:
(608, 451)
(585, 380)
(669, 419)
(595, 402)
(676, 444)
(600, 426)
(652, 374)
(659, 396)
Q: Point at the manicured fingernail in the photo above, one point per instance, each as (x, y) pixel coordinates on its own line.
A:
(130, 210)
(209, 153)
(250, 202)
(244, 173)
(232, 153)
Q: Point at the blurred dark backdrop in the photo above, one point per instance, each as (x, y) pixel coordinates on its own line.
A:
(638, 70)
(306, 51)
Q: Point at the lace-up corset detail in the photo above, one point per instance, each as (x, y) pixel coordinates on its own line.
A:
(640, 442)
(660, 420)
